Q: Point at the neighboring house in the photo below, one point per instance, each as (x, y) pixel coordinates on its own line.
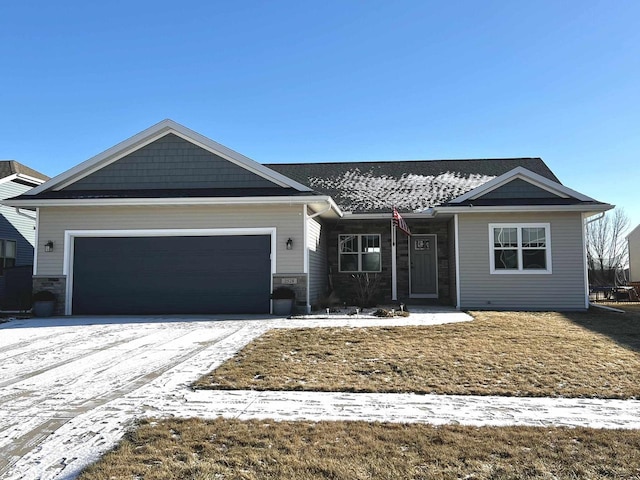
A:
(169, 221)
(633, 240)
(17, 235)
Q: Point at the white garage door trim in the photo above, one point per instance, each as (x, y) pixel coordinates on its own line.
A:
(70, 235)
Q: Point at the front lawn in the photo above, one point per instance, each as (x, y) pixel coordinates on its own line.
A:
(594, 354)
(261, 449)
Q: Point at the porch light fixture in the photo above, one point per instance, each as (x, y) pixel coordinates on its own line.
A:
(48, 247)
(289, 244)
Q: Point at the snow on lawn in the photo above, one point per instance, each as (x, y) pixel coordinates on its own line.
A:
(71, 387)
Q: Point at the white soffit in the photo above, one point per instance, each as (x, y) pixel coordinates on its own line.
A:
(152, 134)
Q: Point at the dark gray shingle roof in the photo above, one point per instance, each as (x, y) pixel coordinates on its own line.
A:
(409, 185)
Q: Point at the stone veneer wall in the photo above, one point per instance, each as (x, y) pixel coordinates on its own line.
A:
(445, 258)
(57, 285)
(300, 287)
(345, 285)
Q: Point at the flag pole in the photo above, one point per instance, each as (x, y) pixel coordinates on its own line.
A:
(394, 275)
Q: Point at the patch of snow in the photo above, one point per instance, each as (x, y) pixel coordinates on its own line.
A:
(364, 191)
(70, 388)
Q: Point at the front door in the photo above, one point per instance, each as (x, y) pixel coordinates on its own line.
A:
(423, 266)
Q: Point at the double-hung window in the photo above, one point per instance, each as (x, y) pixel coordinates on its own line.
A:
(7, 254)
(359, 253)
(520, 248)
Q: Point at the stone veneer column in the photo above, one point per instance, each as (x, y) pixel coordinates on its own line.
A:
(296, 282)
(57, 285)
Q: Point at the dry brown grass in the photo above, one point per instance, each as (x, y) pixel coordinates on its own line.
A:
(231, 449)
(594, 354)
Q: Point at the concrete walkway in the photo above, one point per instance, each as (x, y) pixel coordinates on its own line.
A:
(70, 387)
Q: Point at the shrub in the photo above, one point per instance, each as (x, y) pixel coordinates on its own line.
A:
(283, 293)
(44, 296)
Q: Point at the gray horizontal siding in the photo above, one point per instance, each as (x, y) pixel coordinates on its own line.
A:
(564, 289)
(317, 245)
(518, 188)
(287, 220)
(14, 226)
(170, 162)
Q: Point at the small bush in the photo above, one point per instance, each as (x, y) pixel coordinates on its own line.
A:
(282, 293)
(44, 296)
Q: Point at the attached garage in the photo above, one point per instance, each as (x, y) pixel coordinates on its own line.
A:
(143, 275)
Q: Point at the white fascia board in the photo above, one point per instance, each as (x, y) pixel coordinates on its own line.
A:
(85, 202)
(20, 176)
(148, 136)
(30, 179)
(525, 208)
(8, 178)
(528, 176)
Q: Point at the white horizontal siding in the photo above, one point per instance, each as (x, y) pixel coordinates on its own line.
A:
(287, 220)
(564, 289)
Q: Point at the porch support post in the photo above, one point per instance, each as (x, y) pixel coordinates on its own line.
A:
(394, 275)
(457, 250)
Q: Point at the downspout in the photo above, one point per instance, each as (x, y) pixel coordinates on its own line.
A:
(24, 214)
(595, 219)
(319, 213)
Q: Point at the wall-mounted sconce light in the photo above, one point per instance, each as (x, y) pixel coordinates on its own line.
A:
(48, 247)
(289, 244)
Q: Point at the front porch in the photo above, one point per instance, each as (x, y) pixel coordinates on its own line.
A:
(360, 253)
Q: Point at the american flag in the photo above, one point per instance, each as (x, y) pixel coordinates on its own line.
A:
(399, 222)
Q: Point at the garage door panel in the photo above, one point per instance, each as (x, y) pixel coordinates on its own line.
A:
(156, 275)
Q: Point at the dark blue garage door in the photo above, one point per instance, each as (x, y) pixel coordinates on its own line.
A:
(168, 275)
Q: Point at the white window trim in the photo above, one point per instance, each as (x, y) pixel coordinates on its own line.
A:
(70, 235)
(359, 253)
(520, 270)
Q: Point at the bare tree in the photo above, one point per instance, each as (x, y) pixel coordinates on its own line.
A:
(607, 249)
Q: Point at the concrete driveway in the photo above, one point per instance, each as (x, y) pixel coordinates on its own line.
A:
(70, 388)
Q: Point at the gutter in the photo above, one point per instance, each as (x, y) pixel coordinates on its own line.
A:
(77, 202)
(525, 208)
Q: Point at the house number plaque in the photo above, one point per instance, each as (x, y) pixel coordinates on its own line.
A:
(423, 244)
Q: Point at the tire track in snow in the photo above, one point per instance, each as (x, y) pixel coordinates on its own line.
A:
(29, 440)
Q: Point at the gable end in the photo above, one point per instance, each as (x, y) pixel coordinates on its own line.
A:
(170, 162)
(518, 188)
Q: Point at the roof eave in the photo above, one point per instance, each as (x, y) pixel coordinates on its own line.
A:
(584, 208)
(90, 202)
(527, 175)
(151, 134)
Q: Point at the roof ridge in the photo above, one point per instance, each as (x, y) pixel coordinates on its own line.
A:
(349, 162)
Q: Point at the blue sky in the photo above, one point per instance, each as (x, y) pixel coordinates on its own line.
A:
(298, 81)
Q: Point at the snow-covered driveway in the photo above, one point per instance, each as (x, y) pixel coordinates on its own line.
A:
(69, 387)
